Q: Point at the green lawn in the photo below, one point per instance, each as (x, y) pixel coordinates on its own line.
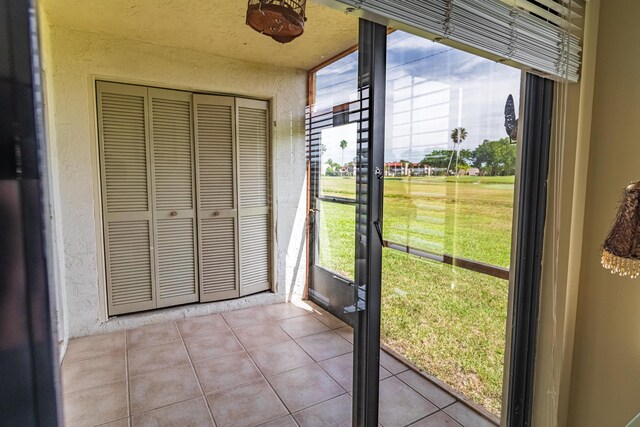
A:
(449, 321)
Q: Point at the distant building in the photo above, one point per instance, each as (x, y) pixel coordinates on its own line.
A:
(473, 172)
(394, 169)
(410, 169)
(397, 169)
(419, 170)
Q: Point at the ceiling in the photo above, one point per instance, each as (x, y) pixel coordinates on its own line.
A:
(212, 26)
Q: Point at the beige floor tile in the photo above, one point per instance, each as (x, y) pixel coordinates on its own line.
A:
(214, 345)
(284, 311)
(246, 406)
(97, 405)
(259, 336)
(304, 387)
(147, 336)
(332, 413)
(164, 387)
(147, 359)
(286, 421)
(341, 369)
(165, 391)
(346, 332)
(383, 374)
(89, 373)
(328, 319)
(439, 419)
(280, 357)
(190, 413)
(312, 305)
(301, 326)
(467, 416)
(251, 316)
(426, 388)
(324, 345)
(400, 405)
(391, 364)
(94, 346)
(226, 371)
(202, 325)
(123, 422)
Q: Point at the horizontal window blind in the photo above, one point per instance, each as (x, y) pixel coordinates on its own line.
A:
(541, 35)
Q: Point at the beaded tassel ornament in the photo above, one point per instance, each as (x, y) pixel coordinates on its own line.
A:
(621, 249)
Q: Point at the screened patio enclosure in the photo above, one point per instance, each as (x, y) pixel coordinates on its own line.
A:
(188, 160)
(179, 178)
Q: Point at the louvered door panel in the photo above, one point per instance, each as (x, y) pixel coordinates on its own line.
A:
(126, 188)
(254, 254)
(176, 243)
(174, 195)
(219, 257)
(125, 152)
(216, 189)
(253, 157)
(130, 263)
(254, 195)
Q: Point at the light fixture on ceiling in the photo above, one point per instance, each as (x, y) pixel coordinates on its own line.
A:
(621, 249)
(282, 20)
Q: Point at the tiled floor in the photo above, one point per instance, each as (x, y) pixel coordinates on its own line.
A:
(280, 365)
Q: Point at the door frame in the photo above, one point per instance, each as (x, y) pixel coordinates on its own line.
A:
(363, 293)
(527, 263)
(30, 391)
(372, 70)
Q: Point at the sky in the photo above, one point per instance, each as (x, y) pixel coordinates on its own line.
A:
(431, 89)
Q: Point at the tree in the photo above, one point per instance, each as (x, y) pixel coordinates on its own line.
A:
(332, 163)
(436, 158)
(496, 157)
(440, 158)
(458, 135)
(510, 119)
(343, 145)
(332, 168)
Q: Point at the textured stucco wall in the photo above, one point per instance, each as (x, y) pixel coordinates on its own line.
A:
(56, 257)
(73, 59)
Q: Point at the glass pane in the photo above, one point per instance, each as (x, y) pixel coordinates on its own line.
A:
(450, 322)
(335, 238)
(450, 159)
(337, 83)
(337, 177)
(332, 133)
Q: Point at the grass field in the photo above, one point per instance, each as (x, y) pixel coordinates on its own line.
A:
(449, 321)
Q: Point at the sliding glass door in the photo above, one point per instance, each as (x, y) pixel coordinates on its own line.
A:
(345, 137)
(450, 166)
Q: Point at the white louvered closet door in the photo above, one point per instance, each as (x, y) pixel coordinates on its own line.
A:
(126, 192)
(217, 204)
(254, 195)
(172, 161)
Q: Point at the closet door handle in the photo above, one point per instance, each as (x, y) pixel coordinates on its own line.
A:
(216, 213)
(174, 213)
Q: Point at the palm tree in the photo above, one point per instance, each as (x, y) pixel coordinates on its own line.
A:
(343, 145)
(457, 136)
